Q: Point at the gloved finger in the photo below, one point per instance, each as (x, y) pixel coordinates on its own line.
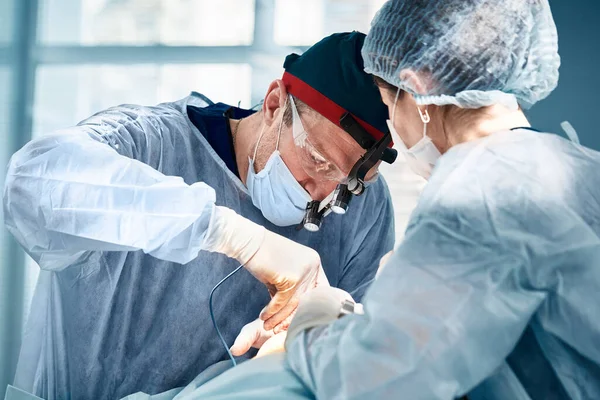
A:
(274, 345)
(330, 291)
(283, 313)
(278, 301)
(285, 324)
(285, 301)
(287, 312)
(322, 278)
(251, 335)
(247, 336)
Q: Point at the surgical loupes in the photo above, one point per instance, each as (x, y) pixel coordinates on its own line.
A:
(339, 199)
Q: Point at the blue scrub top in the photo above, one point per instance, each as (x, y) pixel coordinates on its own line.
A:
(213, 123)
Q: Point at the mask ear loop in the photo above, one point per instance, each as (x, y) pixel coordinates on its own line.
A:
(425, 118)
(262, 131)
(281, 123)
(394, 108)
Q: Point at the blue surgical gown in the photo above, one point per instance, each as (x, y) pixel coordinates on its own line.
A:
(114, 211)
(494, 292)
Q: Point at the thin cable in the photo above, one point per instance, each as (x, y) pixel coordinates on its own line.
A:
(212, 315)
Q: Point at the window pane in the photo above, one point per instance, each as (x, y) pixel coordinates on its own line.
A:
(66, 95)
(4, 109)
(5, 303)
(374, 7)
(5, 120)
(299, 22)
(7, 16)
(172, 22)
(304, 22)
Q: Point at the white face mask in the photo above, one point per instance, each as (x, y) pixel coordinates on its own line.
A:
(421, 157)
(275, 191)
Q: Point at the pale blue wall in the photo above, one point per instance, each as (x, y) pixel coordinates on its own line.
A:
(576, 98)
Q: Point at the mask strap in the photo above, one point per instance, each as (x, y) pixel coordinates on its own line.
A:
(425, 118)
(281, 122)
(262, 131)
(395, 101)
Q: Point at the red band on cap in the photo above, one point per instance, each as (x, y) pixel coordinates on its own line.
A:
(323, 104)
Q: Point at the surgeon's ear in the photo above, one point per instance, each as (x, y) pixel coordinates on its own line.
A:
(413, 81)
(274, 101)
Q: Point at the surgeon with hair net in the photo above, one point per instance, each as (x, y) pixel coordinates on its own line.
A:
(136, 213)
(494, 292)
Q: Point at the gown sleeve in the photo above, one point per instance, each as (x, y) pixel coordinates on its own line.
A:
(445, 312)
(96, 187)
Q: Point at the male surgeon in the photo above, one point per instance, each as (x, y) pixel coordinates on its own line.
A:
(137, 212)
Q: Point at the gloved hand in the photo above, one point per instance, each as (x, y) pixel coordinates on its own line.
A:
(251, 335)
(319, 307)
(254, 335)
(276, 344)
(288, 269)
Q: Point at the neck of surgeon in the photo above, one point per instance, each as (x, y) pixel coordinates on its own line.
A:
(245, 137)
(462, 125)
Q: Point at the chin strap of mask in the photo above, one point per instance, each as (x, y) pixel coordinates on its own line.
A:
(338, 201)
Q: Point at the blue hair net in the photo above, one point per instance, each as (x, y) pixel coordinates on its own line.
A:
(470, 53)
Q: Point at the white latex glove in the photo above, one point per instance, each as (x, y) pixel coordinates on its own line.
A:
(276, 344)
(319, 307)
(254, 335)
(287, 268)
(251, 335)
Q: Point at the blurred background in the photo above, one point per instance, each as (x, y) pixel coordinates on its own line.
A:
(63, 60)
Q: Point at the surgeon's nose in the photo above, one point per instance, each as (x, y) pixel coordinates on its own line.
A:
(319, 190)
